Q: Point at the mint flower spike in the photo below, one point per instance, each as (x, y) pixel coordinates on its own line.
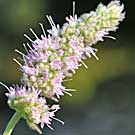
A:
(94, 26)
(53, 59)
(56, 57)
(29, 105)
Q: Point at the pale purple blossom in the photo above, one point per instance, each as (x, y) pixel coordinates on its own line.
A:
(33, 107)
(55, 57)
(64, 49)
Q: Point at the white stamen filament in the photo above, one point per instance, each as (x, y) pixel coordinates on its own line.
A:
(55, 99)
(74, 9)
(67, 93)
(94, 49)
(95, 56)
(17, 62)
(84, 64)
(28, 38)
(29, 46)
(50, 21)
(66, 80)
(111, 37)
(19, 52)
(93, 53)
(42, 27)
(57, 95)
(62, 122)
(79, 65)
(70, 89)
(25, 48)
(49, 126)
(5, 86)
(33, 33)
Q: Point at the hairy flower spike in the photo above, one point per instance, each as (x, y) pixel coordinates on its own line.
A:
(57, 56)
(53, 59)
(32, 107)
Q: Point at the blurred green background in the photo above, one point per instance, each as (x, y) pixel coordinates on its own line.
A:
(104, 103)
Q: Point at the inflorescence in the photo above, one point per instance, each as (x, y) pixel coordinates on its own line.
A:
(54, 58)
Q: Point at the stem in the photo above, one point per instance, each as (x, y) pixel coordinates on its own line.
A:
(15, 118)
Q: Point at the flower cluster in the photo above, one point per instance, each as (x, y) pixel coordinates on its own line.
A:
(53, 59)
(56, 57)
(33, 108)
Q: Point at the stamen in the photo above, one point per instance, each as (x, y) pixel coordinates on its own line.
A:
(62, 122)
(29, 46)
(74, 9)
(39, 131)
(84, 64)
(5, 86)
(94, 49)
(79, 65)
(93, 53)
(111, 37)
(42, 27)
(54, 99)
(57, 95)
(95, 56)
(67, 93)
(28, 38)
(25, 48)
(17, 62)
(66, 80)
(70, 89)
(50, 20)
(33, 33)
(19, 52)
(49, 126)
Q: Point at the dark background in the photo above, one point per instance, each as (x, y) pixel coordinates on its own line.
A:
(104, 103)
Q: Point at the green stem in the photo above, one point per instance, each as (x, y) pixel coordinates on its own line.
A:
(15, 118)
